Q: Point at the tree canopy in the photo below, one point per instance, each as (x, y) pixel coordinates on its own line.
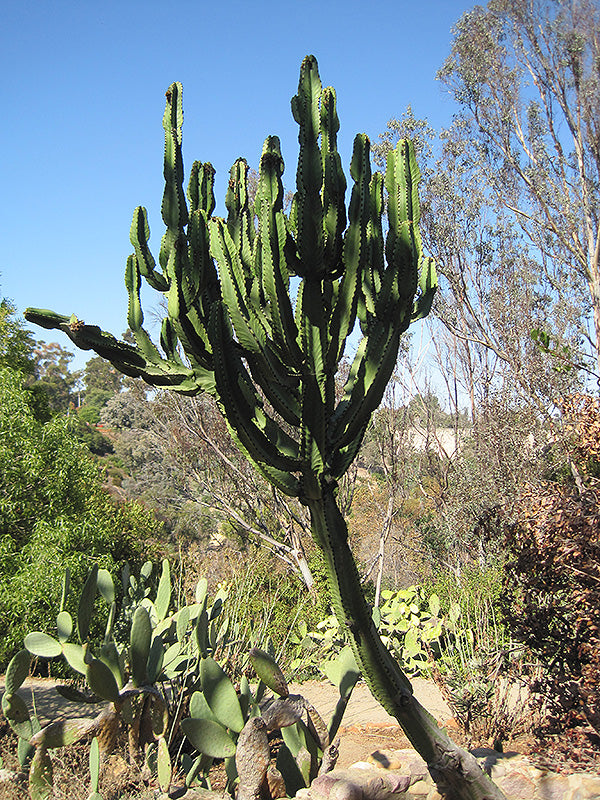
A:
(527, 78)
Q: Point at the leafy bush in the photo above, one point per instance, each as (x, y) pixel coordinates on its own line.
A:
(53, 514)
(483, 673)
(267, 603)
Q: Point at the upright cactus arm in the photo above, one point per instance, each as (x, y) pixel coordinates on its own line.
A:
(369, 377)
(386, 302)
(334, 187)
(427, 289)
(355, 253)
(138, 236)
(169, 371)
(312, 308)
(271, 262)
(279, 385)
(372, 276)
(203, 281)
(240, 222)
(309, 175)
(135, 314)
(403, 244)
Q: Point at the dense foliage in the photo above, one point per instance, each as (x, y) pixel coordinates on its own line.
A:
(54, 514)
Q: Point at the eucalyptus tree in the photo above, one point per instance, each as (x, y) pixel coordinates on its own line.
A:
(527, 78)
(494, 286)
(233, 330)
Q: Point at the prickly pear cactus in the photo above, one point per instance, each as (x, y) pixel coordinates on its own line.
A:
(232, 330)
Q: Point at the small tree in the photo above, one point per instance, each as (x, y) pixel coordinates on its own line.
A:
(16, 342)
(272, 366)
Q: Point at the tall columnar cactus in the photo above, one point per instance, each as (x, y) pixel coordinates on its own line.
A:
(232, 330)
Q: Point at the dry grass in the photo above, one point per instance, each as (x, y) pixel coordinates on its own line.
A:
(118, 779)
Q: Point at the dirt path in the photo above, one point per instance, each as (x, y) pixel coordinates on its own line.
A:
(363, 709)
(366, 726)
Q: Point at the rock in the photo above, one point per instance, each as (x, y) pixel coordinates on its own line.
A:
(518, 778)
(420, 788)
(517, 785)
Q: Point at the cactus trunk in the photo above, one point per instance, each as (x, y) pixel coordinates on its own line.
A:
(454, 770)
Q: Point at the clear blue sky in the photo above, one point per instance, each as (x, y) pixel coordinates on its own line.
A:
(82, 135)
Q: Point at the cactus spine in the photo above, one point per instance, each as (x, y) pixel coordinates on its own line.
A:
(233, 331)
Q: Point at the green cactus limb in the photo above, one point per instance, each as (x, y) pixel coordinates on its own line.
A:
(309, 175)
(42, 645)
(86, 604)
(447, 762)
(94, 759)
(101, 680)
(66, 585)
(334, 187)
(40, 775)
(355, 253)
(240, 222)
(64, 626)
(369, 375)
(174, 208)
(138, 236)
(201, 188)
(271, 260)
(427, 290)
(163, 593)
(165, 769)
(248, 327)
(403, 244)
(74, 655)
(208, 737)
(139, 648)
(220, 695)
(16, 712)
(269, 671)
(90, 337)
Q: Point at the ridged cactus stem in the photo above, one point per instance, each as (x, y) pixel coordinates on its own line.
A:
(455, 770)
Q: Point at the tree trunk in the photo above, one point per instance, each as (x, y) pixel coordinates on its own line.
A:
(455, 771)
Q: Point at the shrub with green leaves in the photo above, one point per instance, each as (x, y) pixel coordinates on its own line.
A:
(54, 514)
(411, 624)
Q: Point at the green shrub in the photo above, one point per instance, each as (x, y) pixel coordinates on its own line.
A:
(268, 602)
(89, 414)
(53, 514)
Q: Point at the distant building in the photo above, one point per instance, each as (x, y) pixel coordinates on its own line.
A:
(442, 441)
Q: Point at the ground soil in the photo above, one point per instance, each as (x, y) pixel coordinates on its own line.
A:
(366, 730)
(366, 726)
